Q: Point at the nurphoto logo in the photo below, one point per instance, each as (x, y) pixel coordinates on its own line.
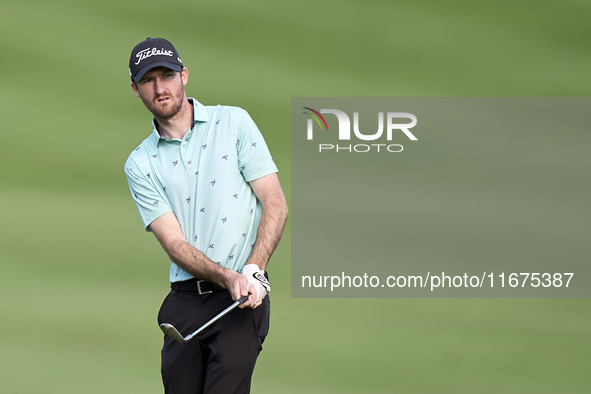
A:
(344, 130)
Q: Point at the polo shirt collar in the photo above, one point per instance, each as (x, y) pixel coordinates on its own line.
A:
(199, 115)
(199, 111)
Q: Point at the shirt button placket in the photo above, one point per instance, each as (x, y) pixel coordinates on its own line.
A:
(184, 145)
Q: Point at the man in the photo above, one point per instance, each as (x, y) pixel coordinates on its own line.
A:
(205, 184)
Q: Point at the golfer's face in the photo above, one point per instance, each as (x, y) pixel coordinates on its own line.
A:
(162, 91)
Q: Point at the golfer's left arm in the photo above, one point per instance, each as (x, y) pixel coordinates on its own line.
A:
(272, 222)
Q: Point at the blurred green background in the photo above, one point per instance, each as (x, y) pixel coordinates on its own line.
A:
(81, 282)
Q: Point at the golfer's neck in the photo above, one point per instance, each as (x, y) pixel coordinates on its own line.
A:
(177, 126)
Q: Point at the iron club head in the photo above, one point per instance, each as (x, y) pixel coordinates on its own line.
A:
(172, 332)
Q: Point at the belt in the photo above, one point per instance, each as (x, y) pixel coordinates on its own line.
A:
(197, 286)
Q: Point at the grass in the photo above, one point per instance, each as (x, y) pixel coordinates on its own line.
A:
(81, 282)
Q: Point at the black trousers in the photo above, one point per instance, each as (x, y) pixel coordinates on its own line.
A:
(221, 359)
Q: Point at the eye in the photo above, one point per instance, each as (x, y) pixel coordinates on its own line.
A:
(145, 81)
(169, 75)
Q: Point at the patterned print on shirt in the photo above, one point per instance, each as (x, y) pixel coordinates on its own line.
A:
(235, 196)
(188, 200)
(213, 183)
(204, 146)
(202, 210)
(155, 156)
(225, 157)
(224, 219)
(174, 163)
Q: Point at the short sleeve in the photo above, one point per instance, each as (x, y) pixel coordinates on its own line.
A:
(254, 158)
(150, 203)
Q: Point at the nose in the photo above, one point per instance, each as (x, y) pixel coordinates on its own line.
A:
(159, 86)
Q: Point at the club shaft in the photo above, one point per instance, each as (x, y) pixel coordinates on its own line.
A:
(213, 320)
(172, 332)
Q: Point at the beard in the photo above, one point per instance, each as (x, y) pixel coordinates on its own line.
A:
(166, 109)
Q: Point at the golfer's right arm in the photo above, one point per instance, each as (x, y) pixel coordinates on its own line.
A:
(168, 231)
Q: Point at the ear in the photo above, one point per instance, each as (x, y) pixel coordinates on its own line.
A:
(135, 89)
(185, 75)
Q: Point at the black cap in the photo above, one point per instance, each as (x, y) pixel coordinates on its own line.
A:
(153, 52)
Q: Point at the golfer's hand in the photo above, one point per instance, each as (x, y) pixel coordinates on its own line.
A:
(237, 285)
(257, 281)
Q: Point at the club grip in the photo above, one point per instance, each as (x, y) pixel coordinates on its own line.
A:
(242, 299)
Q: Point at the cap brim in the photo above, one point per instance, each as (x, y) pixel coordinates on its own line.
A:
(150, 66)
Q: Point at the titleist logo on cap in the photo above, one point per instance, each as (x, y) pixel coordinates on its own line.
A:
(146, 53)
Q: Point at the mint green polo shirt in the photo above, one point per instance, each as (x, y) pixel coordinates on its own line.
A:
(203, 178)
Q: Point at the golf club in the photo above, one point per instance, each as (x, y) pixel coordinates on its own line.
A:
(172, 332)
